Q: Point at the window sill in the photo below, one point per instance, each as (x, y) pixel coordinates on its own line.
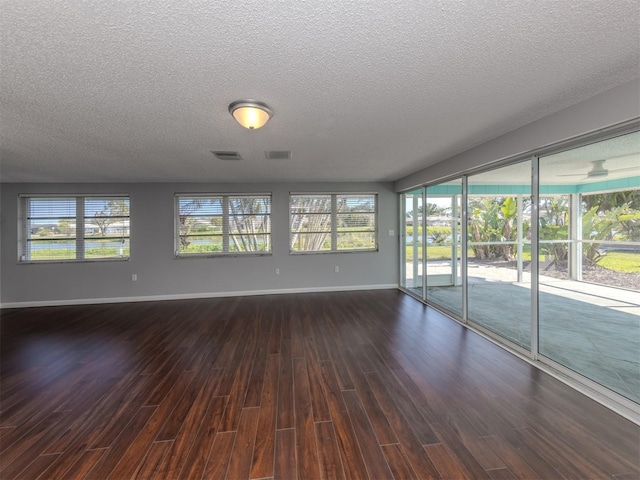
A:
(222, 255)
(92, 260)
(325, 252)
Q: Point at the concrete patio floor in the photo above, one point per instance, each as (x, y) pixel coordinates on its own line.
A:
(591, 329)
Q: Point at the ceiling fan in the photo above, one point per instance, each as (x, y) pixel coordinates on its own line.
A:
(599, 171)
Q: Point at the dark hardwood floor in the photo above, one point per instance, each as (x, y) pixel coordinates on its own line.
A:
(329, 385)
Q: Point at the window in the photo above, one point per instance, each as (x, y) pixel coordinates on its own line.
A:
(333, 222)
(223, 224)
(73, 228)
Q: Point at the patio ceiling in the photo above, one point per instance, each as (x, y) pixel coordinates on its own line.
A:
(563, 172)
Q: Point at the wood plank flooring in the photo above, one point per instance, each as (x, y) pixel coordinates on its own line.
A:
(330, 385)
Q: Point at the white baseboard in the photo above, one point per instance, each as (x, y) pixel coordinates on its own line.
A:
(184, 296)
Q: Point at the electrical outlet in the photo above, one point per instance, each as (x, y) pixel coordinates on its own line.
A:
(134, 277)
(277, 271)
(336, 269)
(391, 233)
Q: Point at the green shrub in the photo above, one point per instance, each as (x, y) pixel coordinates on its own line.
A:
(193, 248)
(439, 234)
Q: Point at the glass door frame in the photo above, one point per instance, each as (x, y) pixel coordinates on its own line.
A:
(403, 245)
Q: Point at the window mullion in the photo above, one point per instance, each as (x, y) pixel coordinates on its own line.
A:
(225, 224)
(80, 247)
(334, 222)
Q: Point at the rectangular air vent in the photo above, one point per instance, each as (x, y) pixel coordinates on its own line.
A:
(278, 155)
(226, 155)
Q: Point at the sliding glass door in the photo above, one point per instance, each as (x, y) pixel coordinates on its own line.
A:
(499, 251)
(558, 279)
(443, 212)
(589, 257)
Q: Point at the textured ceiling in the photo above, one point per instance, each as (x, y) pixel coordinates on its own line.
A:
(102, 91)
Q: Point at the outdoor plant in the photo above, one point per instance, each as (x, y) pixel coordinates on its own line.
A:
(493, 219)
(554, 229)
(603, 221)
(438, 234)
(599, 227)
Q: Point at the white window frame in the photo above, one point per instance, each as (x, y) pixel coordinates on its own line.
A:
(80, 238)
(334, 223)
(226, 235)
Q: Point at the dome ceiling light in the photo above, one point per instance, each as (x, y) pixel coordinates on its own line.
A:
(250, 113)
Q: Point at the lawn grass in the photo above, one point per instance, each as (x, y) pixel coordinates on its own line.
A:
(434, 252)
(621, 262)
(90, 253)
(626, 262)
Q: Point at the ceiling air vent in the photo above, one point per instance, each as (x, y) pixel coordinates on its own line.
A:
(227, 155)
(278, 155)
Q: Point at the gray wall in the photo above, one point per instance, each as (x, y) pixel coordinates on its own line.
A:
(609, 108)
(161, 275)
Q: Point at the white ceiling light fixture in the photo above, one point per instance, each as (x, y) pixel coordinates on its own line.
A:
(250, 113)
